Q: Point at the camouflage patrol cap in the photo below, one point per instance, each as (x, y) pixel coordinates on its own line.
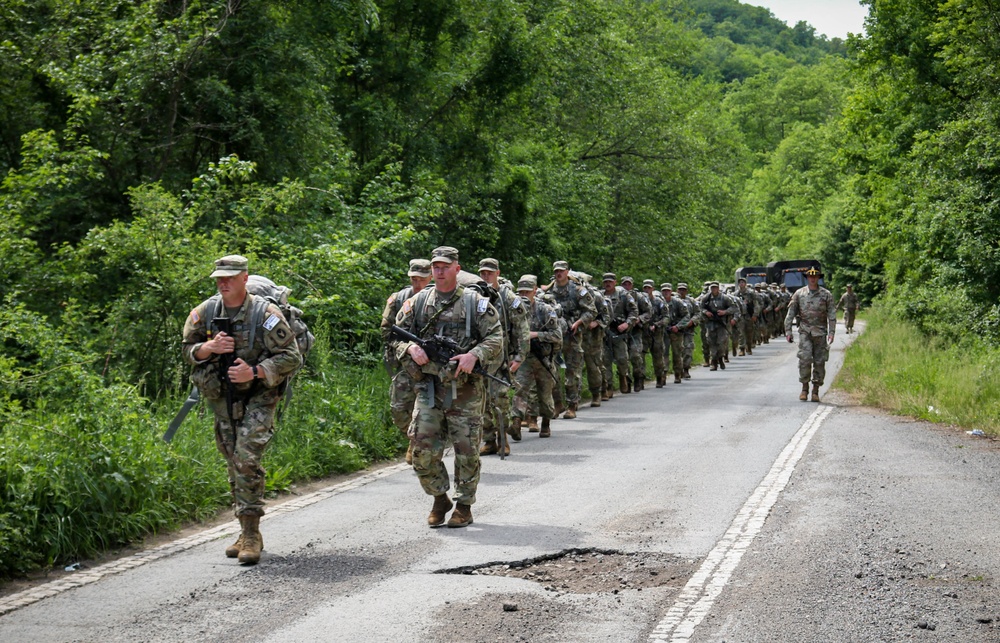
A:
(707, 283)
(666, 286)
(444, 254)
(850, 285)
(527, 282)
(610, 276)
(774, 284)
(743, 279)
(648, 282)
(756, 286)
(489, 264)
(229, 266)
(419, 268)
(682, 286)
(628, 279)
(560, 265)
(712, 284)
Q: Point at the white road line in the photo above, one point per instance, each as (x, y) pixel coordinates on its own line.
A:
(35, 594)
(698, 596)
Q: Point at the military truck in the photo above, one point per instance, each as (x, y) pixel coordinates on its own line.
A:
(753, 274)
(791, 272)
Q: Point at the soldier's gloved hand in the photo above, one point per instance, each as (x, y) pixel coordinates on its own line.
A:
(466, 362)
(418, 355)
(790, 340)
(240, 372)
(220, 344)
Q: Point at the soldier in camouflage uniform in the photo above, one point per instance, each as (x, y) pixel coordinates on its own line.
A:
(401, 394)
(624, 316)
(816, 311)
(654, 335)
(637, 351)
(778, 318)
(514, 323)
(579, 310)
(765, 312)
(266, 353)
(593, 342)
(705, 352)
(718, 309)
(748, 322)
(734, 323)
(676, 318)
(450, 400)
(849, 302)
(536, 377)
(694, 311)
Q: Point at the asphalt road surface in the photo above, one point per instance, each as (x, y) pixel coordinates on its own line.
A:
(721, 509)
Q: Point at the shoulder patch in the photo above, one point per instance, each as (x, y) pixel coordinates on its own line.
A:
(389, 300)
(553, 314)
(516, 303)
(484, 303)
(271, 322)
(407, 306)
(195, 317)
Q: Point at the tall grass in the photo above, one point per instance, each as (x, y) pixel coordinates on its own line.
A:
(81, 479)
(895, 366)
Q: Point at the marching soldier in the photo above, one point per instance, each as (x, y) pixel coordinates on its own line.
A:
(849, 302)
(675, 320)
(817, 313)
(579, 311)
(718, 310)
(536, 377)
(637, 351)
(624, 316)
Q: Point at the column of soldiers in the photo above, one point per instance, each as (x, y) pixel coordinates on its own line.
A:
(546, 341)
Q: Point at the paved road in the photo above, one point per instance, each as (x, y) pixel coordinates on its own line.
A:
(722, 509)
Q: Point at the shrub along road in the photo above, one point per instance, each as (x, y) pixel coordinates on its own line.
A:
(719, 509)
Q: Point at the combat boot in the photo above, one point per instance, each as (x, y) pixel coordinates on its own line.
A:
(253, 542)
(722, 363)
(489, 448)
(533, 424)
(687, 374)
(570, 412)
(559, 409)
(815, 395)
(804, 395)
(707, 363)
(442, 505)
(409, 453)
(661, 381)
(725, 358)
(677, 378)
(605, 394)
(595, 398)
(546, 428)
(742, 352)
(461, 517)
(515, 429)
(233, 550)
(734, 352)
(749, 350)
(609, 392)
(715, 365)
(623, 382)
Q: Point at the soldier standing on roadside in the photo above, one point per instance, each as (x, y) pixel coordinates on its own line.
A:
(401, 395)
(514, 323)
(265, 353)
(578, 310)
(450, 399)
(849, 302)
(817, 314)
(536, 377)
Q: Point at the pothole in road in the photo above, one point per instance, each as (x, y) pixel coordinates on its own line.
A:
(590, 570)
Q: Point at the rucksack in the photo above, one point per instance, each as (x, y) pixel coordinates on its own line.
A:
(278, 295)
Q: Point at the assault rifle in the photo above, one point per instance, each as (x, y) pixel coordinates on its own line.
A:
(546, 360)
(226, 360)
(715, 315)
(441, 349)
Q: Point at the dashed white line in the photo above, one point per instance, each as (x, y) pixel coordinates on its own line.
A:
(699, 594)
(35, 594)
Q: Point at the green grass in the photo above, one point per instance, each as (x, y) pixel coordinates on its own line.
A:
(894, 366)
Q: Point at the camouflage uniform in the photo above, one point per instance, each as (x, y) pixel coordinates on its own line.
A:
(735, 324)
(654, 335)
(637, 351)
(401, 395)
(268, 344)
(514, 323)
(536, 376)
(577, 304)
(675, 315)
(779, 310)
(705, 352)
(449, 406)
(748, 321)
(717, 333)
(765, 314)
(593, 347)
(817, 315)
(694, 313)
(623, 310)
(849, 302)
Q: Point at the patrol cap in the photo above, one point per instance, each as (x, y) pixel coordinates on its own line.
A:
(229, 266)
(648, 282)
(682, 286)
(560, 265)
(444, 254)
(527, 282)
(756, 286)
(774, 284)
(419, 268)
(813, 272)
(743, 279)
(610, 276)
(628, 279)
(850, 285)
(666, 286)
(489, 264)
(713, 284)
(707, 283)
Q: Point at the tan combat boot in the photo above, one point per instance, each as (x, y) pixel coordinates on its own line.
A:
(253, 542)
(546, 428)
(442, 505)
(815, 395)
(687, 374)
(661, 381)
(804, 395)
(515, 429)
(605, 394)
(570, 412)
(749, 350)
(742, 352)
(623, 382)
(461, 517)
(560, 407)
(233, 550)
(489, 448)
(533, 424)
(677, 378)
(595, 398)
